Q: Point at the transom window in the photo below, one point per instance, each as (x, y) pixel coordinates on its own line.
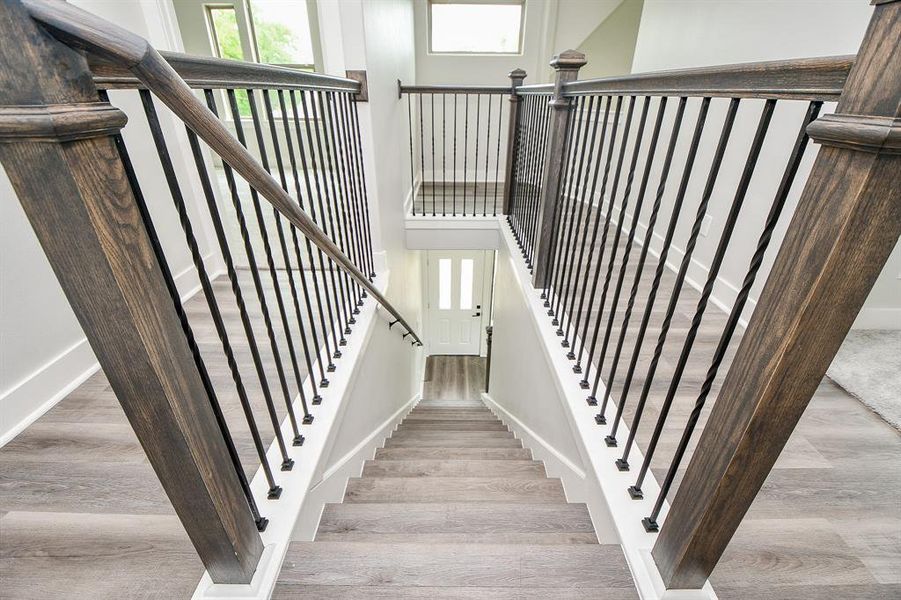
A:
(475, 26)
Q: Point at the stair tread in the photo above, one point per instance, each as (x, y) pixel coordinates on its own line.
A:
(524, 469)
(447, 425)
(453, 453)
(453, 489)
(455, 518)
(293, 591)
(427, 434)
(487, 565)
(449, 441)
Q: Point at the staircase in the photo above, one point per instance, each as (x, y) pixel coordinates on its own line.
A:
(454, 507)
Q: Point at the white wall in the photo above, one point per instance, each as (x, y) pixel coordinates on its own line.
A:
(387, 382)
(692, 33)
(43, 351)
(523, 391)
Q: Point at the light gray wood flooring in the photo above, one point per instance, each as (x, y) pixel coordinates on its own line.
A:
(826, 523)
(454, 507)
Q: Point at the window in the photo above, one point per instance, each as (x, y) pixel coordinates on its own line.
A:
(475, 26)
(466, 284)
(267, 31)
(444, 284)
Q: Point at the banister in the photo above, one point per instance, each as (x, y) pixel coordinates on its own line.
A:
(536, 88)
(220, 73)
(119, 46)
(819, 79)
(452, 89)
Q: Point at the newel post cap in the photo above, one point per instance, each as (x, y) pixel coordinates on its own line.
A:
(517, 74)
(569, 59)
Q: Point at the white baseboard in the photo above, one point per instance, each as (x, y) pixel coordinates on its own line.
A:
(40, 391)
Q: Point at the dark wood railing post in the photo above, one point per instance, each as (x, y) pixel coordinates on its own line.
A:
(517, 76)
(567, 65)
(489, 332)
(847, 222)
(56, 147)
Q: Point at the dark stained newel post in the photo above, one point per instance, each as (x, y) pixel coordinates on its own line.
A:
(567, 65)
(57, 147)
(846, 224)
(517, 76)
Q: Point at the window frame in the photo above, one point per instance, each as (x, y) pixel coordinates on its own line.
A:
(522, 26)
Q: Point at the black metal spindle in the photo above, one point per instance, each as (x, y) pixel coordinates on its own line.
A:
(661, 267)
(317, 399)
(487, 157)
(559, 209)
(614, 248)
(287, 463)
(475, 162)
(324, 307)
(530, 152)
(454, 197)
(412, 164)
(432, 134)
(741, 299)
(335, 209)
(274, 490)
(465, 147)
(327, 220)
(720, 253)
(421, 155)
(357, 144)
(308, 418)
(134, 184)
(542, 121)
(643, 254)
(571, 287)
(355, 192)
(273, 272)
(566, 201)
(270, 260)
(497, 158)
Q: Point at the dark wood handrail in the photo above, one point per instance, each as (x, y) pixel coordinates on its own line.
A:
(114, 44)
(536, 88)
(800, 79)
(453, 89)
(219, 73)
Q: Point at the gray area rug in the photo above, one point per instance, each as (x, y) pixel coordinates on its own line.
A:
(868, 366)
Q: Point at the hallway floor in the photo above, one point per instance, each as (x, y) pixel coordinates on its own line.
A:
(454, 507)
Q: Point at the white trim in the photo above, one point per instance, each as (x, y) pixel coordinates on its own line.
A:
(284, 513)
(61, 375)
(626, 512)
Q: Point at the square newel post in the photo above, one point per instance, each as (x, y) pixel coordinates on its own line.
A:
(567, 65)
(517, 76)
(57, 148)
(846, 223)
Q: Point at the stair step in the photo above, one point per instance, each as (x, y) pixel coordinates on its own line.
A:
(450, 453)
(454, 489)
(598, 571)
(428, 434)
(446, 425)
(449, 441)
(519, 469)
(453, 523)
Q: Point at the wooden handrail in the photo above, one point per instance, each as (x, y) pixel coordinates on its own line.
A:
(453, 89)
(114, 44)
(536, 88)
(219, 73)
(800, 79)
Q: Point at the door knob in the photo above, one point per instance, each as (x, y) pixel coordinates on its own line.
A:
(478, 314)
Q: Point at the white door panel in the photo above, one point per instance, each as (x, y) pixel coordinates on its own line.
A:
(456, 299)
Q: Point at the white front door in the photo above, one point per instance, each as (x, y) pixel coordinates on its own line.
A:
(456, 300)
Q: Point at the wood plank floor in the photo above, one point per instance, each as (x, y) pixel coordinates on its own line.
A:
(826, 523)
(82, 513)
(434, 523)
